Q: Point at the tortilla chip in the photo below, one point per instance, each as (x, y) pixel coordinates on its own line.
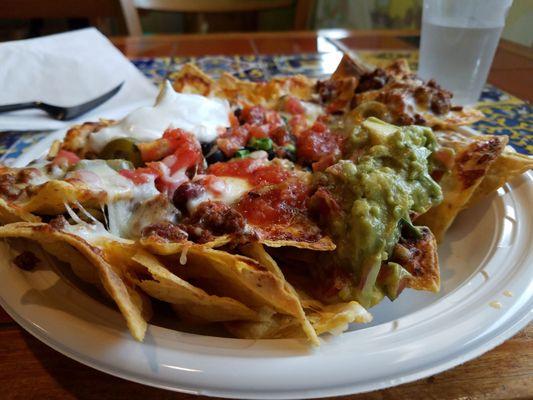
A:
(156, 245)
(224, 274)
(508, 166)
(334, 318)
(191, 79)
(246, 92)
(258, 253)
(131, 303)
(318, 317)
(50, 197)
(401, 82)
(298, 86)
(349, 67)
(79, 264)
(186, 299)
(10, 213)
(419, 257)
(303, 234)
(276, 326)
(77, 138)
(472, 161)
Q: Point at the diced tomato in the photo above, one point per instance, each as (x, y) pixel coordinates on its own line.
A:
(336, 106)
(277, 205)
(256, 172)
(139, 175)
(173, 140)
(255, 115)
(294, 106)
(323, 205)
(273, 119)
(233, 140)
(65, 157)
(325, 162)
(177, 151)
(231, 168)
(213, 183)
(316, 143)
(258, 131)
(280, 136)
(297, 124)
(233, 120)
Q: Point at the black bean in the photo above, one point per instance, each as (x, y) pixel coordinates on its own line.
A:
(215, 156)
(206, 147)
(238, 114)
(290, 155)
(271, 154)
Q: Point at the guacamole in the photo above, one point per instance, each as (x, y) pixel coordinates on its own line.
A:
(387, 180)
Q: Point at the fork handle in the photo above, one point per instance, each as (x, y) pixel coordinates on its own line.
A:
(20, 106)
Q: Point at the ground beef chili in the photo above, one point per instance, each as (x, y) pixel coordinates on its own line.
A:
(166, 231)
(431, 95)
(213, 218)
(8, 188)
(372, 81)
(26, 261)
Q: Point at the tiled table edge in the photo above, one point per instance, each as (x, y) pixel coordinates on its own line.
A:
(506, 114)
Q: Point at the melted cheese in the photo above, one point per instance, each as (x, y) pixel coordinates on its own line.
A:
(312, 111)
(93, 233)
(130, 207)
(224, 189)
(100, 177)
(199, 115)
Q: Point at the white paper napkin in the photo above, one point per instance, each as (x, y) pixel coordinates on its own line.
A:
(68, 69)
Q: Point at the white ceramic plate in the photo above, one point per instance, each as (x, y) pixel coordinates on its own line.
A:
(486, 297)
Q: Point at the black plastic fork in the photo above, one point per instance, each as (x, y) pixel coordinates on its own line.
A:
(63, 113)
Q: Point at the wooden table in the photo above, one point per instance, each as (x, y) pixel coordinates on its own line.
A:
(30, 369)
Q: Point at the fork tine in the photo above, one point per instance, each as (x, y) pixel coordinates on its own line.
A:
(76, 111)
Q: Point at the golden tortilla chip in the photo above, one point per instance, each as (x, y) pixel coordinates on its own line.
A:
(131, 303)
(397, 93)
(186, 299)
(50, 197)
(79, 264)
(224, 274)
(333, 318)
(10, 213)
(419, 257)
(191, 79)
(508, 166)
(472, 161)
(77, 138)
(350, 68)
(258, 253)
(156, 245)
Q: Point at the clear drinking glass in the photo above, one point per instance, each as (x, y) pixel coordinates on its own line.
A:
(459, 39)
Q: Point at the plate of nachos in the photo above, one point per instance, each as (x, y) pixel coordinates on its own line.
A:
(283, 239)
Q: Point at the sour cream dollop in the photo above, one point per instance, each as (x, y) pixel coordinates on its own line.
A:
(202, 116)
